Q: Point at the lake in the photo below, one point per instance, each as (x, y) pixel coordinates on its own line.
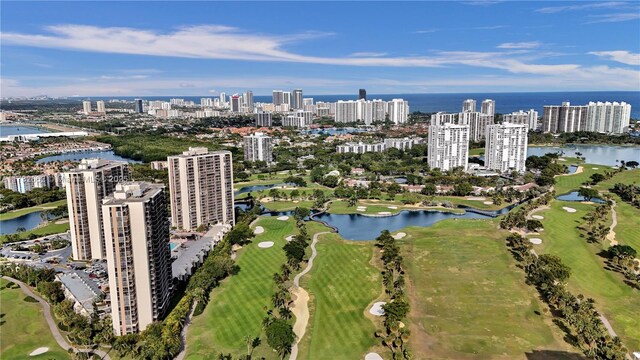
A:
(77, 156)
(594, 154)
(573, 196)
(362, 227)
(7, 130)
(27, 221)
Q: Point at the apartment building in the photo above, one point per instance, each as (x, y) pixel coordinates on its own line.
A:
(258, 147)
(506, 147)
(448, 146)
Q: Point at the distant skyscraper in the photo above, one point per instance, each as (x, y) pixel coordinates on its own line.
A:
(263, 118)
(248, 98)
(86, 186)
(139, 108)
(201, 188)
(297, 99)
(278, 97)
(362, 94)
(506, 147)
(346, 111)
(223, 98)
(477, 122)
(235, 103)
(286, 98)
(448, 146)
(488, 107)
(86, 107)
(607, 117)
(138, 259)
(257, 147)
(529, 118)
(100, 107)
(564, 118)
(469, 105)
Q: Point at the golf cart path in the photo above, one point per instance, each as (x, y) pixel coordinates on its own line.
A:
(300, 306)
(60, 339)
(611, 236)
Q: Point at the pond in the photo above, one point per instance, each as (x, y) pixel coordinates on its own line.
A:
(362, 227)
(573, 196)
(27, 221)
(572, 169)
(7, 130)
(77, 156)
(594, 154)
(254, 188)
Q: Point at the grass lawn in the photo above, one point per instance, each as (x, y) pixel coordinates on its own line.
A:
(237, 307)
(468, 299)
(286, 205)
(17, 213)
(24, 328)
(568, 183)
(50, 228)
(616, 300)
(475, 152)
(342, 285)
(478, 204)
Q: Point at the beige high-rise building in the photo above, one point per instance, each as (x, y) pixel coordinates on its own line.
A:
(86, 107)
(201, 188)
(136, 230)
(100, 107)
(86, 186)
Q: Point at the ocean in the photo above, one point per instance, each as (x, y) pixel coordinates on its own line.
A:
(505, 102)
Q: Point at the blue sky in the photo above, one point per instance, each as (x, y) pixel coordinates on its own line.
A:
(199, 48)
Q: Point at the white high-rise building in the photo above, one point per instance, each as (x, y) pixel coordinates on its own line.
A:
(398, 111)
(263, 119)
(201, 188)
(506, 147)
(100, 107)
(248, 101)
(448, 146)
(477, 122)
(346, 111)
(206, 102)
(607, 117)
(297, 99)
(86, 186)
(307, 102)
(441, 118)
(235, 103)
(529, 118)
(223, 98)
(258, 147)
(564, 118)
(86, 107)
(469, 105)
(287, 99)
(488, 107)
(138, 260)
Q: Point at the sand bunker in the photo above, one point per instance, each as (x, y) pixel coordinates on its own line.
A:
(535, 241)
(376, 308)
(594, 168)
(476, 198)
(399, 235)
(283, 218)
(259, 230)
(568, 209)
(39, 351)
(537, 217)
(488, 202)
(561, 159)
(289, 238)
(392, 207)
(361, 208)
(384, 213)
(265, 244)
(373, 356)
(62, 221)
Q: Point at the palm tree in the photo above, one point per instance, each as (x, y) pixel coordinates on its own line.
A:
(285, 313)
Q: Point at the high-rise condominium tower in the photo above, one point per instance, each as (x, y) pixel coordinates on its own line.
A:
(201, 188)
(100, 107)
(263, 118)
(469, 105)
(448, 146)
(138, 259)
(278, 97)
(257, 147)
(362, 94)
(297, 99)
(86, 107)
(506, 147)
(86, 186)
(248, 101)
(398, 111)
(139, 108)
(488, 107)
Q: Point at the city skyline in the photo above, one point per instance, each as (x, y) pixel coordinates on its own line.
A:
(143, 49)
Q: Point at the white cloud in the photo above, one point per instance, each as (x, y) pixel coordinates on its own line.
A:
(585, 6)
(427, 31)
(520, 45)
(368, 54)
(617, 17)
(621, 56)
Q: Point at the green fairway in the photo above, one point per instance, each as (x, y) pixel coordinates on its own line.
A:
(616, 300)
(17, 213)
(342, 285)
(476, 152)
(286, 205)
(24, 328)
(468, 299)
(567, 183)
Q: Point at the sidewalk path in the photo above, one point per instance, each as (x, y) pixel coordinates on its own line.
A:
(60, 339)
(301, 304)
